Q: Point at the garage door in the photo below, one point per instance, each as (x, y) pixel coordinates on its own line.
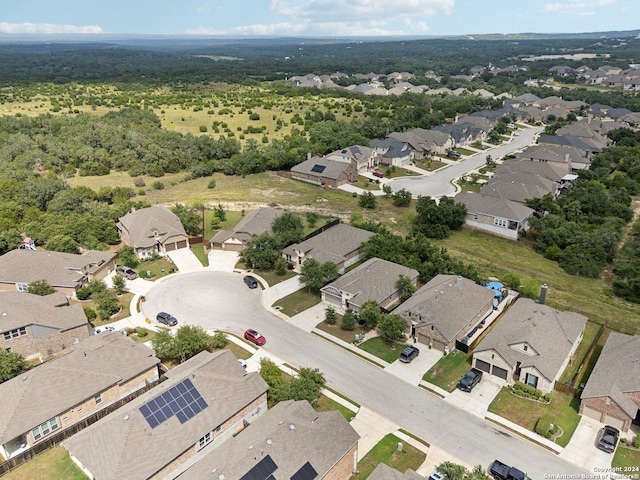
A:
(482, 365)
(426, 340)
(333, 300)
(182, 244)
(591, 413)
(169, 247)
(499, 372)
(614, 421)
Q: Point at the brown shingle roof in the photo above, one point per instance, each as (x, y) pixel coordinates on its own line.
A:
(18, 309)
(254, 223)
(140, 227)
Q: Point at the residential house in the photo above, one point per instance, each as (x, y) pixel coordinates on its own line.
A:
(445, 310)
(425, 142)
(86, 378)
(208, 398)
(583, 131)
(519, 187)
(253, 223)
(532, 343)
(325, 172)
(66, 272)
(36, 326)
(463, 134)
(612, 393)
(340, 244)
(562, 71)
(392, 152)
(414, 140)
(564, 157)
(555, 171)
(153, 231)
(290, 441)
(495, 215)
(375, 279)
(365, 158)
(586, 150)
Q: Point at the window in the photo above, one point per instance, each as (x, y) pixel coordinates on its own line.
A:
(532, 380)
(204, 441)
(22, 287)
(500, 222)
(15, 333)
(98, 398)
(45, 429)
(288, 257)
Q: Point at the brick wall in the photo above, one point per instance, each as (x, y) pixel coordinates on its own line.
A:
(606, 406)
(47, 345)
(344, 468)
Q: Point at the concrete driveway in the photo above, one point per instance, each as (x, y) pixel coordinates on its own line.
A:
(582, 448)
(477, 401)
(311, 317)
(223, 260)
(414, 371)
(185, 260)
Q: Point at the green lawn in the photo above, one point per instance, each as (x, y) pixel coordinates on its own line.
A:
(449, 370)
(198, 251)
(367, 183)
(525, 412)
(626, 457)
(386, 451)
(271, 277)
(298, 302)
(593, 358)
(465, 151)
(54, 464)
(325, 404)
(590, 332)
(335, 330)
(158, 268)
(381, 348)
(428, 164)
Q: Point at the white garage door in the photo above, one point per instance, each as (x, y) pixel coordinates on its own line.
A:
(614, 421)
(592, 413)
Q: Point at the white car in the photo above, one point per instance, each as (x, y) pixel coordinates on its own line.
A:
(107, 328)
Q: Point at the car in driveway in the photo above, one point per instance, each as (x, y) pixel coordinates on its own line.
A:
(106, 328)
(250, 281)
(167, 319)
(255, 337)
(470, 380)
(126, 272)
(608, 439)
(409, 354)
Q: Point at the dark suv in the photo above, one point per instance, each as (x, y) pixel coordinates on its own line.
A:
(608, 439)
(409, 354)
(166, 318)
(251, 281)
(470, 380)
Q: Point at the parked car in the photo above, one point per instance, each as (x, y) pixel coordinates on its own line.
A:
(409, 354)
(470, 380)
(378, 174)
(512, 155)
(455, 153)
(255, 337)
(436, 475)
(608, 439)
(502, 471)
(251, 281)
(106, 328)
(128, 273)
(167, 319)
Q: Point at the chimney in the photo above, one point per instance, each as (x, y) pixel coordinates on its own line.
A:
(543, 294)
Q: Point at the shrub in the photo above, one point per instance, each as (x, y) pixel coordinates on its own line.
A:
(636, 441)
(330, 315)
(141, 332)
(544, 426)
(90, 313)
(348, 321)
(211, 184)
(547, 397)
(83, 293)
(139, 182)
(203, 128)
(157, 185)
(141, 191)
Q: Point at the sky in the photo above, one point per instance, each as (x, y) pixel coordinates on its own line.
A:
(316, 18)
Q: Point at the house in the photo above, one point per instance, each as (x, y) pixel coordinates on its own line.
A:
(612, 393)
(565, 157)
(554, 171)
(152, 231)
(365, 158)
(385, 472)
(66, 272)
(290, 441)
(586, 150)
(36, 326)
(495, 215)
(88, 377)
(519, 186)
(325, 172)
(463, 134)
(206, 399)
(392, 152)
(583, 131)
(445, 310)
(532, 343)
(253, 223)
(375, 279)
(339, 244)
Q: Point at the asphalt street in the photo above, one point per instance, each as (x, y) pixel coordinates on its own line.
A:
(439, 184)
(220, 300)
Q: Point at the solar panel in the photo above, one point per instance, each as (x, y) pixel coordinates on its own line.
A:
(318, 168)
(182, 400)
(306, 472)
(262, 470)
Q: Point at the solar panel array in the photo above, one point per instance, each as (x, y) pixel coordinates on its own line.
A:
(306, 472)
(263, 470)
(182, 400)
(318, 168)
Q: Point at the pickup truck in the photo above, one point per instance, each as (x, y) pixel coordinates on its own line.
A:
(501, 471)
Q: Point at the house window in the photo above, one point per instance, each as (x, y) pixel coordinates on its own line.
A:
(204, 441)
(532, 380)
(15, 333)
(98, 398)
(45, 429)
(22, 287)
(288, 257)
(500, 222)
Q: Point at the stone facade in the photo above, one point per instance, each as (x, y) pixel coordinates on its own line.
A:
(47, 345)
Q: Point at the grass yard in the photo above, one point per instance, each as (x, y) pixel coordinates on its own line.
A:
(156, 268)
(198, 251)
(298, 302)
(142, 339)
(386, 451)
(381, 348)
(525, 412)
(344, 335)
(429, 164)
(325, 404)
(124, 300)
(465, 151)
(626, 457)
(271, 277)
(53, 464)
(593, 358)
(448, 370)
(590, 332)
(237, 350)
(367, 183)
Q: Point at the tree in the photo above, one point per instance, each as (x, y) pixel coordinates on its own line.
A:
(219, 213)
(393, 327)
(11, 365)
(118, 283)
(40, 287)
(316, 275)
(261, 252)
(435, 220)
(330, 315)
(402, 198)
(62, 243)
(287, 228)
(312, 219)
(406, 287)
(280, 266)
(127, 256)
(189, 340)
(370, 314)
(348, 321)
(308, 385)
(368, 200)
(190, 220)
(106, 302)
(452, 471)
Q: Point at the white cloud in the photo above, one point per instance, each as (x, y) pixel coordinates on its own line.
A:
(47, 28)
(576, 7)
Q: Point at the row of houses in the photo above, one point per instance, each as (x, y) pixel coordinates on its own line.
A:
(606, 75)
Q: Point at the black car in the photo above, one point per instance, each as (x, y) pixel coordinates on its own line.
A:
(166, 318)
(251, 281)
(470, 380)
(608, 439)
(409, 354)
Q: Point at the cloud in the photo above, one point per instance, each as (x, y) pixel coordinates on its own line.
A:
(576, 7)
(47, 28)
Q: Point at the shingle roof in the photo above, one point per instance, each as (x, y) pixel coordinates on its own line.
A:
(332, 244)
(123, 445)
(572, 140)
(357, 153)
(552, 170)
(57, 268)
(321, 439)
(253, 223)
(374, 279)
(139, 226)
(446, 304)
(551, 333)
(617, 371)
(321, 167)
(518, 186)
(20, 309)
(494, 206)
(84, 370)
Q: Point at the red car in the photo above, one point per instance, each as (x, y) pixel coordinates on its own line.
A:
(255, 337)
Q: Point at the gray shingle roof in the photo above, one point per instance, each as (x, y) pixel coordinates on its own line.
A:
(321, 439)
(494, 206)
(445, 305)
(375, 279)
(617, 371)
(518, 186)
(253, 223)
(552, 170)
(84, 370)
(20, 309)
(139, 226)
(321, 167)
(123, 446)
(551, 333)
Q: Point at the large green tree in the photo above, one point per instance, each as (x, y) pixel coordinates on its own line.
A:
(436, 219)
(316, 275)
(287, 228)
(11, 364)
(261, 252)
(191, 220)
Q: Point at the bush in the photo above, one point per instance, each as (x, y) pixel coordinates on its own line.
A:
(544, 426)
(636, 441)
(330, 316)
(139, 182)
(211, 184)
(141, 332)
(348, 321)
(90, 313)
(157, 185)
(203, 128)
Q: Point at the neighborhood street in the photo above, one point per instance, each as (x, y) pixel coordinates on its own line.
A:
(220, 300)
(439, 184)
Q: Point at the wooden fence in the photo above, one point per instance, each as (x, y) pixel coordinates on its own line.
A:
(564, 388)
